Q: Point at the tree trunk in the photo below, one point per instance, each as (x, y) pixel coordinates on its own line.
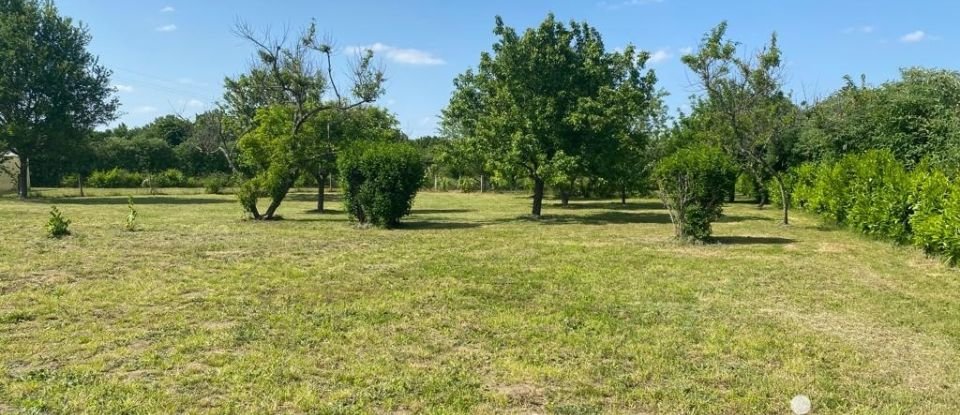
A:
(537, 197)
(436, 181)
(276, 201)
(320, 196)
(481, 183)
(623, 195)
(564, 198)
(80, 183)
(785, 199)
(23, 181)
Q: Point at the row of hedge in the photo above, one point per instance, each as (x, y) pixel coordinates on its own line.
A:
(874, 194)
(121, 178)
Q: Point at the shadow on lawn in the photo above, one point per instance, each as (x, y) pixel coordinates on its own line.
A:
(605, 218)
(137, 200)
(312, 197)
(432, 211)
(431, 225)
(611, 205)
(752, 240)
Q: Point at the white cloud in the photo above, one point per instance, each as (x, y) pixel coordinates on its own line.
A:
(168, 9)
(686, 51)
(167, 28)
(123, 88)
(914, 37)
(400, 55)
(195, 103)
(146, 109)
(661, 55)
(626, 3)
(866, 30)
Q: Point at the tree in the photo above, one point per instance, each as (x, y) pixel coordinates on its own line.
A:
(331, 131)
(538, 102)
(288, 81)
(747, 96)
(52, 90)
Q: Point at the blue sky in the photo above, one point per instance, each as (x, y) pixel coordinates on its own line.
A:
(172, 56)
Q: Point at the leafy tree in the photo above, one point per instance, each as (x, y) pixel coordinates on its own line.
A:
(331, 131)
(52, 90)
(540, 101)
(286, 89)
(747, 97)
(915, 118)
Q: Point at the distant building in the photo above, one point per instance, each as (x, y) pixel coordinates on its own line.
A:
(8, 163)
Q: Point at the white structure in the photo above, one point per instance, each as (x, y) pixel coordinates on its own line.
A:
(9, 162)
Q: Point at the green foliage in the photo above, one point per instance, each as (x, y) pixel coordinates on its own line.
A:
(873, 194)
(379, 181)
(879, 197)
(693, 183)
(168, 178)
(552, 103)
(52, 89)
(115, 178)
(131, 224)
(57, 226)
(915, 118)
(216, 182)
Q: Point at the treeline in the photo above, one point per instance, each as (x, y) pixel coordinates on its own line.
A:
(546, 109)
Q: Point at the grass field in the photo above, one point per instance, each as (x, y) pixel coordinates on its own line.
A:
(468, 308)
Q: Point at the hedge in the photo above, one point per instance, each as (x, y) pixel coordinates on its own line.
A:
(874, 194)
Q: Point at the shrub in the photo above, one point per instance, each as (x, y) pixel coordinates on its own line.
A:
(693, 184)
(131, 224)
(114, 179)
(69, 180)
(57, 225)
(878, 193)
(935, 206)
(169, 178)
(379, 181)
(215, 183)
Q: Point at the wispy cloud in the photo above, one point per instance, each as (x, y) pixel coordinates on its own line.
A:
(167, 28)
(614, 5)
(168, 9)
(123, 88)
(686, 51)
(914, 37)
(865, 30)
(660, 56)
(400, 55)
(146, 109)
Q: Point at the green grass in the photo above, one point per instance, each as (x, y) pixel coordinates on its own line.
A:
(468, 308)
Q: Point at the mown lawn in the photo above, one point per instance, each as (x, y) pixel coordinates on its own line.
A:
(468, 308)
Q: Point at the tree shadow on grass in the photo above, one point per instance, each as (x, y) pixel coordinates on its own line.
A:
(605, 218)
(436, 225)
(312, 197)
(737, 219)
(432, 211)
(137, 200)
(612, 205)
(326, 211)
(752, 240)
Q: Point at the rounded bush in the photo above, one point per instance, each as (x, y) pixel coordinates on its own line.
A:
(379, 181)
(693, 184)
